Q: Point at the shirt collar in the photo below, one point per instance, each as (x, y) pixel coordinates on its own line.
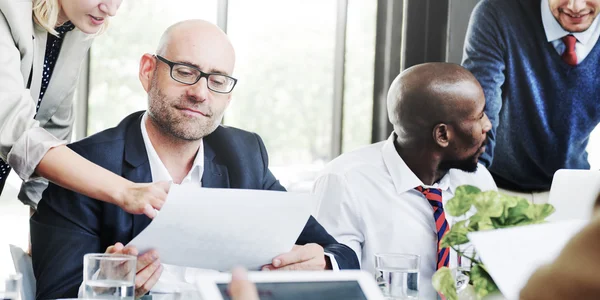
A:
(158, 169)
(403, 177)
(554, 31)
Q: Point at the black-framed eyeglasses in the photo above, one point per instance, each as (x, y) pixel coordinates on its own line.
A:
(188, 74)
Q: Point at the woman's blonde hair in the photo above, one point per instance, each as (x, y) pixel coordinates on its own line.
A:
(46, 12)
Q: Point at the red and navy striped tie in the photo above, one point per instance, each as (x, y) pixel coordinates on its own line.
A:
(434, 196)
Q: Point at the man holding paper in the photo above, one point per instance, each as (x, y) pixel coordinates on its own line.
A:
(179, 138)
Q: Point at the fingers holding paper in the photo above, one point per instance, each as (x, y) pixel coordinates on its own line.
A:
(144, 198)
(306, 257)
(148, 267)
(149, 270)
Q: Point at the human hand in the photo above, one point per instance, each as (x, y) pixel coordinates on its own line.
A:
(307, 257)
(148, 267)
(143, 198)
(240, 288)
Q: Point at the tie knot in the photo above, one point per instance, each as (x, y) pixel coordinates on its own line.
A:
(570, 42)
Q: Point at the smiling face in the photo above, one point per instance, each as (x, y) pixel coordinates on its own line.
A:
(575, 15)
(188, 112)
(88, 15)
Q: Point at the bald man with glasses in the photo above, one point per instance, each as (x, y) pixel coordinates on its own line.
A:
(178, 139)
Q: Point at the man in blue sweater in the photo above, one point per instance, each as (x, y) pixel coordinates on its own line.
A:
(538, 62)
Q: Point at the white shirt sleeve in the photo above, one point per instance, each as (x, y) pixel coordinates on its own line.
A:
(334, 264)
(336, 211)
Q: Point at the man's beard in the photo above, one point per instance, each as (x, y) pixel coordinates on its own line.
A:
(468, 165)
(164, 115)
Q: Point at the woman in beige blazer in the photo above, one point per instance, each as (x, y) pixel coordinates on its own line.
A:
(42, 46)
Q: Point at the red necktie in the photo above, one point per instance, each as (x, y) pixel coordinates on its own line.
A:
(569, 56)
(434, 196)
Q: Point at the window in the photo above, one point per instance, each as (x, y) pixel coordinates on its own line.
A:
(360, 72)
(285, 67)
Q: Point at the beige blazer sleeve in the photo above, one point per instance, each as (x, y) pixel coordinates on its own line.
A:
(24, 140)
(574, 274)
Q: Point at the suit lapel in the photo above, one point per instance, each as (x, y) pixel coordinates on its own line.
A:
(215, 174)
(136, 166)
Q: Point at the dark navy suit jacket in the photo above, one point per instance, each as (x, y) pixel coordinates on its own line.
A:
(68, 225)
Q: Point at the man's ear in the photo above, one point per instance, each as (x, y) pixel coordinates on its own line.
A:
(442, 135)
(147, 67)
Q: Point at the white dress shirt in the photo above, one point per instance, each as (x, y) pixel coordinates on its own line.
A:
(173, 278)
(367, 200)
(586, 40)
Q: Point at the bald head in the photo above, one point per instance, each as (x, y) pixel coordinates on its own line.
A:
(428, 94)
(197, 37)
(189, 81)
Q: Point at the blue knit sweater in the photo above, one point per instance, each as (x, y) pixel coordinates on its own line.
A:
(542, 110)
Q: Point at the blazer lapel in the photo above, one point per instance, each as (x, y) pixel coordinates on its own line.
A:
(66, 71)
(215, 174)
(136, 167)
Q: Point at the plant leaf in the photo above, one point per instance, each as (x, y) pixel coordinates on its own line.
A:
(462, 201)
(479, 222)
(520, 214)
(456, 236)
(489, 204)
(482, 281)
(444, 283)
(538, 212)
(508, 202)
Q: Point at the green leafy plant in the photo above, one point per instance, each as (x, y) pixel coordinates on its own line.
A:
(493, 211)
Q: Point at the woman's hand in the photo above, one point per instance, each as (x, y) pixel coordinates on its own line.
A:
(143, 198)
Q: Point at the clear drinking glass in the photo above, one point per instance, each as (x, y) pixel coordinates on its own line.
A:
(462, 273)
(109, 276)
(398, 275)
(10, 287)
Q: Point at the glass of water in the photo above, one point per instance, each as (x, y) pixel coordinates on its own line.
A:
(398, 275)
(10, 287)
(109, 276)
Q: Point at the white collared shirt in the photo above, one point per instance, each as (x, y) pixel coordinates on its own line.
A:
(367, 200)
(158, 169)
(586, 40)
(173, 278)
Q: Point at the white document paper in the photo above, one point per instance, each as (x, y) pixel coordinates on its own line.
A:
(512, 255)
(222, 228)
(573, 194)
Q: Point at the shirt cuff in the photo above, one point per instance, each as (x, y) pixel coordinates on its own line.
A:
(334, 264)
(29, 150)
